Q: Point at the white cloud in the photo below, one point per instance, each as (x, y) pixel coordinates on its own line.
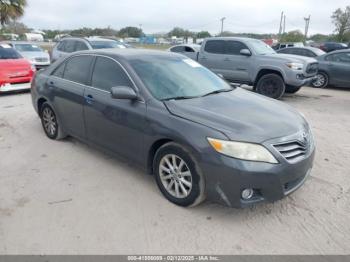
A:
(162, 15)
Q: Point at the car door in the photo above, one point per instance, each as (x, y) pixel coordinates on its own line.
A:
(338, 65)
(114, 124)
(236, 65)
(66, 85)
(212, 57)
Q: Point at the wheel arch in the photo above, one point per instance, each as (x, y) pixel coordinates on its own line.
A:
(266, 71)
(153, 150)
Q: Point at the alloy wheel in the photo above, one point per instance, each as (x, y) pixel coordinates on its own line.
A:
(49, 121)
(175, 176)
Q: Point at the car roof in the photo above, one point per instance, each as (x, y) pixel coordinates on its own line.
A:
(243, 39)
(92, 38)
(301, 47)
(130, 53)
(339, 51)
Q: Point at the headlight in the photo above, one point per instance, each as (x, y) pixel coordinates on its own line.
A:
(241, 150)
(295, 66)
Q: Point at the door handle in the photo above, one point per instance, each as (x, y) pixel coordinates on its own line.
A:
(89, 99)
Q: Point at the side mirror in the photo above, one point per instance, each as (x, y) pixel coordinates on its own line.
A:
(123, 92)
(245, 52)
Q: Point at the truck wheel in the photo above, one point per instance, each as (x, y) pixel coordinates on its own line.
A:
(271, 85)
(321, 80)
(292, 89)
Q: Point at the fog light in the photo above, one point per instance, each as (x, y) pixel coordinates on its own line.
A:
(247, 193)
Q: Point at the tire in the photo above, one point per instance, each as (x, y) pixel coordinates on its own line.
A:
(292, 89)
(322, 80)
(183, 175)
(50, 123)
(271, 85)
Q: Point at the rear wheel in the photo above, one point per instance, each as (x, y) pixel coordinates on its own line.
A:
(271, 85)
(177, 176)
(321, 80)
(292, 89)
(49, 122)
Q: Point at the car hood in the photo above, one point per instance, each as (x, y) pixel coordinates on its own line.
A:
(241, 115)
(293, 58)
(30, 55)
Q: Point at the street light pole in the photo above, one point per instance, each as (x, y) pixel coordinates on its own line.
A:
(222, 24)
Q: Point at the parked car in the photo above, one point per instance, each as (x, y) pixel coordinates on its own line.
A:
(334, 69)
(35, 54)
(332, 46)
(190, 50)
(16, 72)
(302, 51)
(279, 46)
(250, 61)
(195, 133)
(73, 44)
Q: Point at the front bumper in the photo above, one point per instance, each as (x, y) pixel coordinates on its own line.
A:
(14, 87)
(301, 80)
(227, 177)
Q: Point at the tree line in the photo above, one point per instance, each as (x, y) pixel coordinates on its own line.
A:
(11, 10)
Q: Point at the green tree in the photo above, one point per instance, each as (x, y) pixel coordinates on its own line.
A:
(11, 10)
(203, 34)
(293, 36)
(180, 32)
(341, 20)
(131, 31)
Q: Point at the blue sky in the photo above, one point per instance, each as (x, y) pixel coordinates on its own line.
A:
(258, 16)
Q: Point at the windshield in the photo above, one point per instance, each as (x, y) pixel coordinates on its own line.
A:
(8, 53)
(98, 44)
(177, 77)
(261, 48)
(27, 48)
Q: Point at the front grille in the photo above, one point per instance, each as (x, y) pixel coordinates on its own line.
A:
(312, 68)
(292, 151)
(41, 59)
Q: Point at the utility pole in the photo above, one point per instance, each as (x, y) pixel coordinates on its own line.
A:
(284, 24)
(307, 24)
(280, 28)
(222, 24)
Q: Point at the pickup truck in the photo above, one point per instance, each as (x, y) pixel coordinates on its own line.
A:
(250, 61)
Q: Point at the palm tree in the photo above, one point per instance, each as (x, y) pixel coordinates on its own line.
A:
(11, 9)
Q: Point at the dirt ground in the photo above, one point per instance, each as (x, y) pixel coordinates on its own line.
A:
(67, 198)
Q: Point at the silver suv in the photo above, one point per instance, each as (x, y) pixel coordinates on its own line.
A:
(74, 44)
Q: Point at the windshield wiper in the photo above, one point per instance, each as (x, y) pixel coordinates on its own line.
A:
(179, 98)
(218, 91)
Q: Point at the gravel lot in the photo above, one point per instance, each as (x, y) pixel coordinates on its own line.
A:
(67, 198)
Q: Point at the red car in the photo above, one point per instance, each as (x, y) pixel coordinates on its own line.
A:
(16, 72)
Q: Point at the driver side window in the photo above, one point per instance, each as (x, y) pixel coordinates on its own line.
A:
(107, 74)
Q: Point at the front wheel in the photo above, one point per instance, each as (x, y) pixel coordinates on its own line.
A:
(271, 85)
(177, 175)
(321, 80)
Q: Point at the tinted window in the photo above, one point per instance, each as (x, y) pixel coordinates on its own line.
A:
(80, 46)
(339, 57)
(189, 49)
(28, 48)
(8, 52)
(59, 70)
(178, 49)
(234, 47)
(69, 46)
(108, 74)
(215, 47)
(60, 46)
(100, 44)
(78, 68)
(284, 51)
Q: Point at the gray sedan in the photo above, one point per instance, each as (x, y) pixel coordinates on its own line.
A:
(334, 69)
(198, 136)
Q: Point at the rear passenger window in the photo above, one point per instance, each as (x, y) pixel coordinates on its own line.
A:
(234, 47)
(107, 74)
(189, 49)
(69, 46)
(215, 47)
(78, 68)
(59, 71)
(178, 49)
(60, 46)
(80, 46)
